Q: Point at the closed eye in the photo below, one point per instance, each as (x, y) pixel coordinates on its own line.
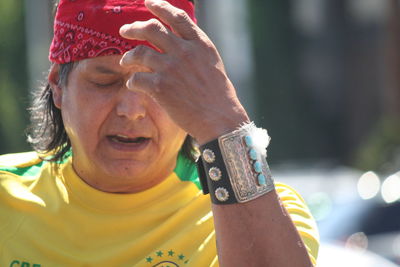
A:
(106, 84)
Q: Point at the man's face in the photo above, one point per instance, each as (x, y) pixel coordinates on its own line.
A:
(123, 141)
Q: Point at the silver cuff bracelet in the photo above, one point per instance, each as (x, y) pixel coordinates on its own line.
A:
(233, 168)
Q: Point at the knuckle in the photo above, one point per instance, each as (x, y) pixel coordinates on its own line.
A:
(207, 44)
(154, 25)
(186, 52)
(153, 21)
(139, 51)
(169, 66)
(163, 4)
(180, 16)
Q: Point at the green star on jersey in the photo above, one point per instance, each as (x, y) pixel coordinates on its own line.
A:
(159, 253)
(164, 258)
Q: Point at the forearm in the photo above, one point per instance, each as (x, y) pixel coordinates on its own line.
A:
(204, 104)
(258, 233)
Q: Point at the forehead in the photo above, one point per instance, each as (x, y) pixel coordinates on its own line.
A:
(106, 64)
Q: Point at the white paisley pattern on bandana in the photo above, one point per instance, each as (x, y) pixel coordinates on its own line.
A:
(87, 29)
(78, 42)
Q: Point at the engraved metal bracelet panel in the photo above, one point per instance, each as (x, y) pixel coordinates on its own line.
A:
(242, 177)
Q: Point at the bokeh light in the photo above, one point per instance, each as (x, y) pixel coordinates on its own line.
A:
(396, 246)
(320, 205)
(368, 185)
(357, 241)
(391, 189)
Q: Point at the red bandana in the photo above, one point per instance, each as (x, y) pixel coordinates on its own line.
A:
(90, 28)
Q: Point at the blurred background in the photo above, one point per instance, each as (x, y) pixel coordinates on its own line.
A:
(323, 76)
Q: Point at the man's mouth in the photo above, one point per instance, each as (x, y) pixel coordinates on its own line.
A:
(123, 139)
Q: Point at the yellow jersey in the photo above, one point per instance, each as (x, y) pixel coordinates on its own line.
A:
(50, 217)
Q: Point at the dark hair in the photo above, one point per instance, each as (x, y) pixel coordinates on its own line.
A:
(47, 134)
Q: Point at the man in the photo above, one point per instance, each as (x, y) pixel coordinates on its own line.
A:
(115, 187)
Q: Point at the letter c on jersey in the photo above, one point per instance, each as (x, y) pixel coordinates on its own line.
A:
(23, 264)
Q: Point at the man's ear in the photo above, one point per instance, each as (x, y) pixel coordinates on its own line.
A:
(55, 86)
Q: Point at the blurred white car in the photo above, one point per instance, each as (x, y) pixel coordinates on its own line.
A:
(358, 214)
(331, 255)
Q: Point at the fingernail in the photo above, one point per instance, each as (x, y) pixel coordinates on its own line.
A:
(121, 61)
(124, 28)
(128, 84)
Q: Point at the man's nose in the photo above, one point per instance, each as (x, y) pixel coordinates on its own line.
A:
(131, 104)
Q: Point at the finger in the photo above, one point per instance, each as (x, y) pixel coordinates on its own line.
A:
(152, 31)
(143, 56)
(176, 18)
(149, 82)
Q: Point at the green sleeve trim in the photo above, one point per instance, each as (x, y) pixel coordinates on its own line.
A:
(25, 171)
(186, 170)
(28, 170)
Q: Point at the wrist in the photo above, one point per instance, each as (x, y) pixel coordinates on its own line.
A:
(222, 126)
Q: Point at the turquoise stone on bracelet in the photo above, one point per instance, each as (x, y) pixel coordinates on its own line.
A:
(253, 154)
(248, 140)
(257, 166)
(261, 179)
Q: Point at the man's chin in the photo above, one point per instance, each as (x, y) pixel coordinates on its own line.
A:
(126, 168)
(129, 181)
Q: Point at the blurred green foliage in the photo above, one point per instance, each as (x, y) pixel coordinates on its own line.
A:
(380, 151)
(284, 106)
(13, 77)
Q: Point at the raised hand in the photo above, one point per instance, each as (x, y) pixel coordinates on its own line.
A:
(187, 76)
